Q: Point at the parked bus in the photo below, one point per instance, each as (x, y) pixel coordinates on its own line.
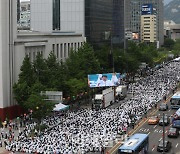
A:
(175, 100)
(136, 144)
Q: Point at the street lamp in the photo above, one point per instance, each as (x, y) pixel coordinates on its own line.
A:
(163, 135)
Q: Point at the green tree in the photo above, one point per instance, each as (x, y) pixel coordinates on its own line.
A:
(27, 73)
(176, 48)
(41, 70)
(39, 106)
(37, 87)
(22, 89)
(21, 92)
(83, 62)
(77, 67)
(75, 86)
(53, 68)
(103, 56)
(169, 43)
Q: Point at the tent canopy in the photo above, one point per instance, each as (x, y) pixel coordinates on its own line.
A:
(61, 107)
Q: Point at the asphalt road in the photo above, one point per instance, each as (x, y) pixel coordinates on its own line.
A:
(156, 134)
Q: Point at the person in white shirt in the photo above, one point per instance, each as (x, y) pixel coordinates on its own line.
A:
(104, 82)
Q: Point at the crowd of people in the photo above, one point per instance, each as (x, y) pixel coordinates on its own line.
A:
(89, 130)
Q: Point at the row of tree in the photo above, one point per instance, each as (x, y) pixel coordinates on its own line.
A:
(71, 76)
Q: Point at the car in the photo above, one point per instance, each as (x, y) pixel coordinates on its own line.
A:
(163, 107)
(167, 146)
(153, 120)
(176, 124)
(173, 132)
(166, 120)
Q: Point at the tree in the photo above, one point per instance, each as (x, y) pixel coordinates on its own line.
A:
(169, 43)
(39, 106)
(22, 89)
(77, 67)
(53, 68)
(21, 92)
(176, 48)
(27, 73)
(41, 70)
(103, 56)
(75, 86)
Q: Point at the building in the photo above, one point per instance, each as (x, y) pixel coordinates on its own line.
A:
(148, 28)
(8, 22)
(95, 19)
(23, 15)
(14, 45)
(171, 30)
(135, 17)
(24, 21)
(61, 15)
(30, 43)
(25, 6)
(18, 10)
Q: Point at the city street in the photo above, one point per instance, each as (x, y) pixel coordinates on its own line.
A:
(156, 134)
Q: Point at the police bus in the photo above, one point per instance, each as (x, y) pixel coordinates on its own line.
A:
(175, 101)
(136, 144)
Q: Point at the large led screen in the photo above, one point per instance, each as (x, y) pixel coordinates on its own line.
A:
(104, 80)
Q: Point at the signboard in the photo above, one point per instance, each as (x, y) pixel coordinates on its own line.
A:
(147, 9)
(104, 80)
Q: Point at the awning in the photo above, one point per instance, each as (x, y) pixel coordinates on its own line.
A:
(61, 107)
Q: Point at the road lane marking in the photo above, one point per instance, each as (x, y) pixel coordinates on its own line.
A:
(153, 147)
(140, 124)
(149, 133)
(160, 139)
(177, 145)
(155, 126)
(169, 110)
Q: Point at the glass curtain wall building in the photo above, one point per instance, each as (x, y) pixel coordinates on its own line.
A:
(103, 17)
(135, 17)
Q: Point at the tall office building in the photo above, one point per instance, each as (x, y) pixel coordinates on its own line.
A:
(8, 23)
(148, 28)
(14, 45)
(57, 15)
(103, 18)
(135, 18)
(95, 19)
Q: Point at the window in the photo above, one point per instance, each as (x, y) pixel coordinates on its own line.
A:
(78, 45)
(64, 50)
(61, 51)
(53, 48)
(68, 49)
(34, 56)
(75, 46)
(56, 14)
(57, 52)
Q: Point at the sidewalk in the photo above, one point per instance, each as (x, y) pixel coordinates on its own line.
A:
(3, 151)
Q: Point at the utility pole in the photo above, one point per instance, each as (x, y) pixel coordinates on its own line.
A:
(163, 135)
(113, 70)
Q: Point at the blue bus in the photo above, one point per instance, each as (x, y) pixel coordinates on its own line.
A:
(175, 100)
(136, 144)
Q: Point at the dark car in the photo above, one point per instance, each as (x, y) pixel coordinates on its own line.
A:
(167, 146)
(163, 107)
(166, 120)
(176, 124)
(173, 132)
